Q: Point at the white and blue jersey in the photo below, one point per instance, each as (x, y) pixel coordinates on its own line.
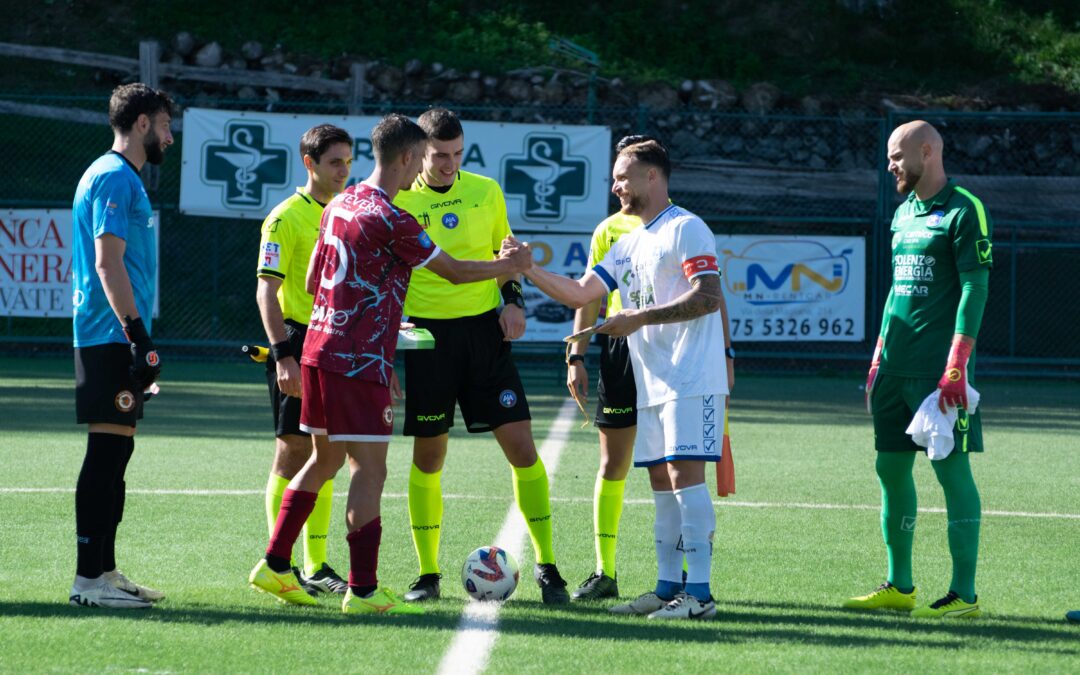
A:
(111, 199)
(654, 265)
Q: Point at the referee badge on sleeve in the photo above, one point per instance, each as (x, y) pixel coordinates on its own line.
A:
(271, 255)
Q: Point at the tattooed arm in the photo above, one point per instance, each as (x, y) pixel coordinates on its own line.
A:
(704, 297)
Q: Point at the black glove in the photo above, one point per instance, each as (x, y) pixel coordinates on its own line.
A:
(145, 364)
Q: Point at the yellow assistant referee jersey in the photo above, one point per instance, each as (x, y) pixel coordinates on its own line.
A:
(469, 222)
(607, 233)
(289, 234)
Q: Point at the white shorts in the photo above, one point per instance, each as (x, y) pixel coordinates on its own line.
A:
(685, 428)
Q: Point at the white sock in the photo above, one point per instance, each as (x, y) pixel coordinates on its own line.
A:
(666, 529)
(698, 525)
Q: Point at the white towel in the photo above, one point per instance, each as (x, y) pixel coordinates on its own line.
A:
(933, 430)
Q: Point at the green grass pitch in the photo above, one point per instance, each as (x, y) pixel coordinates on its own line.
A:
(801, 534)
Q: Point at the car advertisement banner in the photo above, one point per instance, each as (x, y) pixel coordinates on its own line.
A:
(794, 288)
(568, 255)
(35, 263)
(778, 288)
(241, 164)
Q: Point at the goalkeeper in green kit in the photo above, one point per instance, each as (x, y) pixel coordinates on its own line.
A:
(941, 260)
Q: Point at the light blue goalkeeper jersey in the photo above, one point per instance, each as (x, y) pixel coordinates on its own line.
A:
(111, 199)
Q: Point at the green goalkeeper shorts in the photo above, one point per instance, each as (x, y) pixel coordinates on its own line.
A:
(894, 401)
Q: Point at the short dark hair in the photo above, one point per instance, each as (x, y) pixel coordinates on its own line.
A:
(649, 152)
(128, 101)
(440, 124)
(636, 138)
(318, 139)
(394, 135)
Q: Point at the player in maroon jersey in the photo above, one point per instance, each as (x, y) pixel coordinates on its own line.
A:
(359, 273)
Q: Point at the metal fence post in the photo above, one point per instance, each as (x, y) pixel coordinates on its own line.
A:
(149, 57)
(357, 87)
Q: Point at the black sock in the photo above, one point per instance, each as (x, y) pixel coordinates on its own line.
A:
(108, 546)
(363, 591)
(95, 499)
(278, 564)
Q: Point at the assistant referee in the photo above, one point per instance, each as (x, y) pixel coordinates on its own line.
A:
(289, 234)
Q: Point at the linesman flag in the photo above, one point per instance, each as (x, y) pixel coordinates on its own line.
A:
(725, 468)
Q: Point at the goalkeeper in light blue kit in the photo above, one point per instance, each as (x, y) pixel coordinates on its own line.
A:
(941, 260)
(114, 280)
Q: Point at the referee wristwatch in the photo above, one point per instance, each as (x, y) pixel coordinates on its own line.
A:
(729, 352)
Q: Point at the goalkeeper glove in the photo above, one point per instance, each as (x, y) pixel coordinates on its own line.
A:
(875, 363)
(145, 366)
(953, 384)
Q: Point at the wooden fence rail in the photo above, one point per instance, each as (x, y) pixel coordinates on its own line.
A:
(150, 69)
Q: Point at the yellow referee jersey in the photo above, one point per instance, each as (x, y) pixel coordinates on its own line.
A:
(469, 222)
(607, 233)
(289, 234)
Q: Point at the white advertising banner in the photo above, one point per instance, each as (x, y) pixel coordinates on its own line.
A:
(778, 288)
(35, 263)
(241, 164)
(794, 288)
(568, 255)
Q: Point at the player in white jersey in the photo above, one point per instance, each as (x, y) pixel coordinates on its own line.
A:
(676, 326)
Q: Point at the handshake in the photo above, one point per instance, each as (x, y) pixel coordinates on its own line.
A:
(518, 252)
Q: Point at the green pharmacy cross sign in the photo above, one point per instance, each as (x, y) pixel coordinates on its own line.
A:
(545, 177)
(245, 164)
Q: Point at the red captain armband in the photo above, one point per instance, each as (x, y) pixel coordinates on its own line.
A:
(697, 265)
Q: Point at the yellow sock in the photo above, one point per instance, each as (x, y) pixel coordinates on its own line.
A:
(316, 529)
(425, 515)
(531, 493)
(607, 510)
(275, 488)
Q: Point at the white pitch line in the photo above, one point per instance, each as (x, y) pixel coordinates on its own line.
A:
(568, 500)
(478, 628)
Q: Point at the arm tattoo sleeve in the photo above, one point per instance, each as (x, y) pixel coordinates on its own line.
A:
(702, 298)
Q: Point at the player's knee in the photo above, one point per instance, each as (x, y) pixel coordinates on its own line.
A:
(290, 454)
(429, 454)
(371, 478)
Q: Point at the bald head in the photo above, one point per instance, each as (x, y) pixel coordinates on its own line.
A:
(915, 151)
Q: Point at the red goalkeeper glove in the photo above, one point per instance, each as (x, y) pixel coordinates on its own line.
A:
(875, 363)
(953, 384)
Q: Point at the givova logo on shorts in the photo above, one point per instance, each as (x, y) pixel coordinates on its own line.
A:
(245, 164)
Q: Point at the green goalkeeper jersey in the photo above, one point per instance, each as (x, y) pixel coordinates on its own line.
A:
(932, 243)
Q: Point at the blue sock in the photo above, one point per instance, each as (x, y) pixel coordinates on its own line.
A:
(667, 589)
(699, 591)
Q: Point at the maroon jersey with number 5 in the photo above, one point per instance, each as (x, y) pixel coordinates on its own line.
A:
(365, 255)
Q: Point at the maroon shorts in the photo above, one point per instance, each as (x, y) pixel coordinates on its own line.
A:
(344, 408)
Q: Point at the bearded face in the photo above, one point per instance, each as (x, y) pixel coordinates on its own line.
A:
(907, 179)
(155, 152)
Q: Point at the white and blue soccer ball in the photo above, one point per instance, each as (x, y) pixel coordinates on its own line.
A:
(490, 573)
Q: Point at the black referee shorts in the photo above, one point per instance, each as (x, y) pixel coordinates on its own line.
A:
(286, 408)
(105, 390)
(616, 392)
(470, 365)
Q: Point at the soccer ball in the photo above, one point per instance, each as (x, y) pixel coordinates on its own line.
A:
(489, 573)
